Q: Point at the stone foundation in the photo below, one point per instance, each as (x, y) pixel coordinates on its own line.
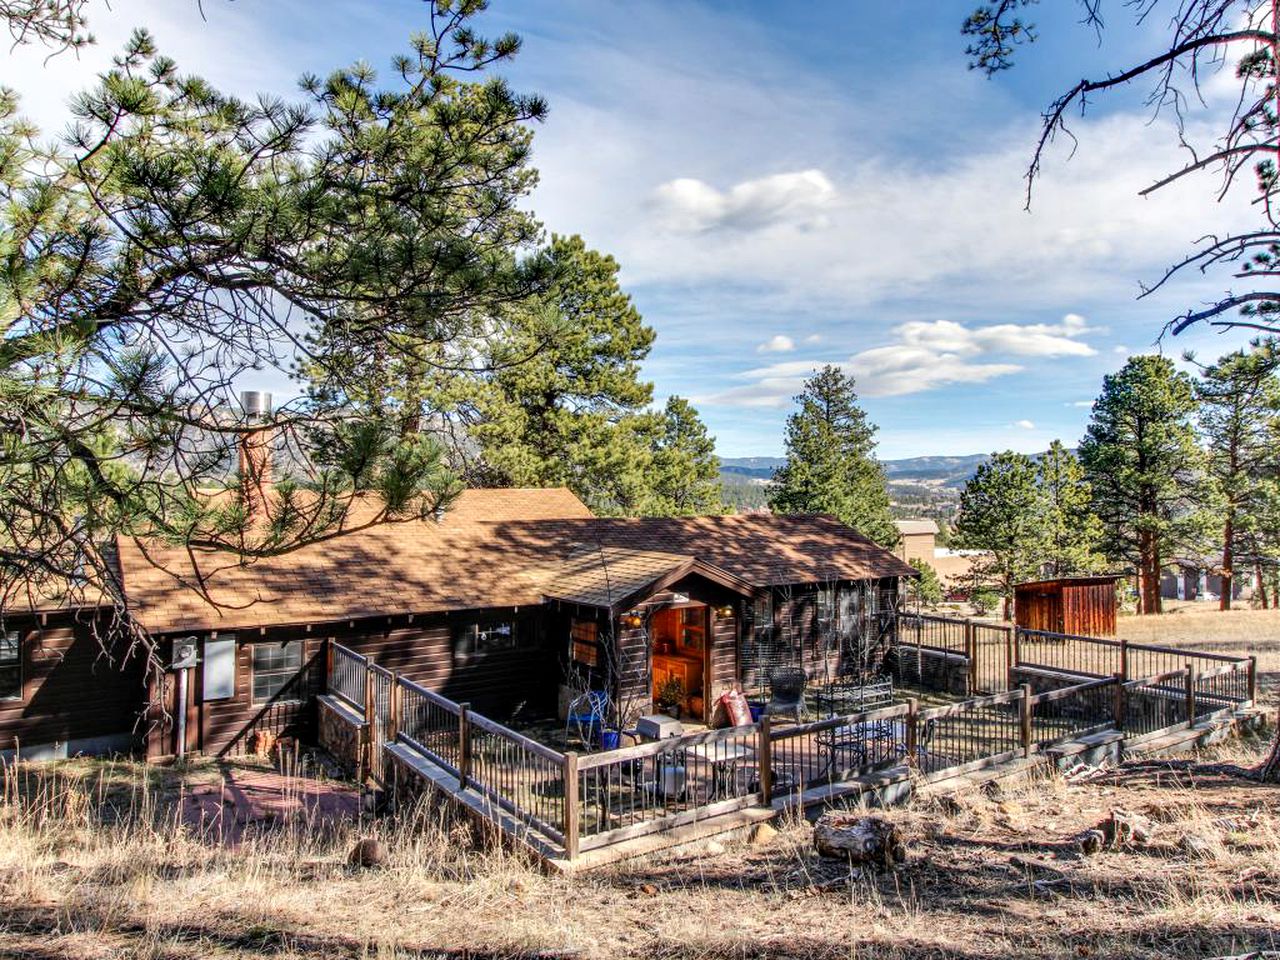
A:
(930, 669)
(342, 733)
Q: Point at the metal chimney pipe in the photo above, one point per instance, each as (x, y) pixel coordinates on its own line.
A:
(256, 404)
(255, 449)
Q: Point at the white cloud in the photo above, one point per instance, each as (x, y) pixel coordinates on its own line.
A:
(925, 356)
(1081, 404)
(813, 338)
(1024, 424)
(1120, 349)
(688, 205)
(779, 343)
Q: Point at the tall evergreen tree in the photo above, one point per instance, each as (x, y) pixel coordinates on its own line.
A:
(684, 472)
(557, 392)
(831, 465)
(1070, 531)
(1141, 457)
(1240, 418)
(1001, 514)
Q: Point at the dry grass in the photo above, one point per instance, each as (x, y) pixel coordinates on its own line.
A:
(95, 862)
(1239, 632)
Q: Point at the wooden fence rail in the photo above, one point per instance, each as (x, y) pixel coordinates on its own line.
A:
(583, 802)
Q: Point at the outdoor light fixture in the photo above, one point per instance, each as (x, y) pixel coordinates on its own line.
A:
(632, 619)
(725, 611)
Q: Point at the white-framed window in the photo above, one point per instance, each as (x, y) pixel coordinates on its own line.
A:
(275, 666)
(489, 637)
(10, 665)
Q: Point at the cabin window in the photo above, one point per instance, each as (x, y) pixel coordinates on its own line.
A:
(275, 667)
(10, 665)
(220, 667)
(585, 636)
(490, 636)
(763, 611)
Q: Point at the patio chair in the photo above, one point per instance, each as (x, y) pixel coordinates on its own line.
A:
(786, 692)
(586, 715)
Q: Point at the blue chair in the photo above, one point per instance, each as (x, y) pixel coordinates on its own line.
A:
(587, 714)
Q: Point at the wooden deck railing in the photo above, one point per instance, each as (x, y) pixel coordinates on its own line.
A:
(346, 675)
(997, 656)
(583, 802)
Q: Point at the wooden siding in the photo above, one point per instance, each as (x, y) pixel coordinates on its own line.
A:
(72, 689)
(1085, 607)
(421, 648)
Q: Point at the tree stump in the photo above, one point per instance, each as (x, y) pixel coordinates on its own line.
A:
(1123, 828)
(863, 841)
(1269, 772)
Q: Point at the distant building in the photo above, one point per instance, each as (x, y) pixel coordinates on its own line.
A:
(918, 541)
(1192, 580)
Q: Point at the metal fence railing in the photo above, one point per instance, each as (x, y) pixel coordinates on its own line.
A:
(346, 676)
(658, 786)
(429, 723)
(979, 731)
(1072, 712)
(593, 800)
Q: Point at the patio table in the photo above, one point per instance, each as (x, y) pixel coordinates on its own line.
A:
(723, 759)
(850, 742)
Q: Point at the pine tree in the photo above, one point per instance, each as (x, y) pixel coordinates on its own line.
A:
(1240, 417)
(558, 402)
(1146, 469)
(925, 589)
(1001, 514)
(684, 470)
(831, 466)
(1070, 531)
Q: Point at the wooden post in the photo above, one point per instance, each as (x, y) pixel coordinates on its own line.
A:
(464, 744)
(1017, 653)
(328, 664)
(1253, 680)
(393, 708)
(570, 805)
(913, 720)
(971, 651)
(1124, 659)
(1008, 658)
(1024, 715)
(370, 716)
(764, 760)
(1117, 707)
(1191, 696)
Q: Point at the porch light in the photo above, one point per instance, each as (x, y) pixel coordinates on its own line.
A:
(632, 619)
(724, 612)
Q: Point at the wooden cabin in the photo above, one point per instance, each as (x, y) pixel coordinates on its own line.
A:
(1083, 606)
(509, 601)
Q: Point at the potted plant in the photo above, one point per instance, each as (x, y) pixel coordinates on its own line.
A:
(671, 697)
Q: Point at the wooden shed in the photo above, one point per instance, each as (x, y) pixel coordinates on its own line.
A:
(1085, 606)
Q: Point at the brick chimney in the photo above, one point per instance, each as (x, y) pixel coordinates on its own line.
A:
(255, 451)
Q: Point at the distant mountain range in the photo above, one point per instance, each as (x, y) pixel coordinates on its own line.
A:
(947, 472)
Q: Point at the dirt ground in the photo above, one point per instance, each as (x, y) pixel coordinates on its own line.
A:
(96, 862)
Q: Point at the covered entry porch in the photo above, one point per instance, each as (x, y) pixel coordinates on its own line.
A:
(648, 631)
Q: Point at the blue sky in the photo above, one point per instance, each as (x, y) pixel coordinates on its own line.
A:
(792, 185)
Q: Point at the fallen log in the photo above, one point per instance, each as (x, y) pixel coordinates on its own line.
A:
(863, 841)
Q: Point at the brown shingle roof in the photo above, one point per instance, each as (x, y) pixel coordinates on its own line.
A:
(495, 548)
(601, 576)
